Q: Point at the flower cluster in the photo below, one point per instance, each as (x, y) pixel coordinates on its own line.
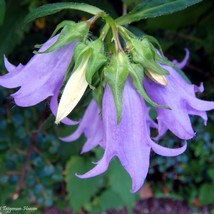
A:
(125, 81)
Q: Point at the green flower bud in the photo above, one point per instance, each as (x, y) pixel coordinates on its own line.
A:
(70, 31)
(144, 53)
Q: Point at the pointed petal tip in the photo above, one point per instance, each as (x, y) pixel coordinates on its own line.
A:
(183, 63)
(84, 176)
(168, 152)
(135, 188)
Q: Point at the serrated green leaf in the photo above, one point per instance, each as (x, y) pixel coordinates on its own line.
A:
(116, 74)
(10, 37)
(154, 8)
(80, 191)
(50, 9)
(131, 2)
(206, 194)
(120, 182)
(109, 200)
(2, 11)
(136, 72)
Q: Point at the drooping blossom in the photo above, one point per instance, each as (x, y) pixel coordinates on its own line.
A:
(92, 127)
(180, 96)
(40, 78)
(129, 140)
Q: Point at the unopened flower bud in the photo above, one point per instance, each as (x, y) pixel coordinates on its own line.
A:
(73, 91)
(158, 78)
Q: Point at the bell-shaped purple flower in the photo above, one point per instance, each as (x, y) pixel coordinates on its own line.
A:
(91, 126)
(129, 140)
(41, 77)
(180, 96)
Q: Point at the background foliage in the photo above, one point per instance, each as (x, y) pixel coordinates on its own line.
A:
(36, 169)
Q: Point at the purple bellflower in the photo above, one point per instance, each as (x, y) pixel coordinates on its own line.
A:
(40, 78)
(129, 140)
(180, 96)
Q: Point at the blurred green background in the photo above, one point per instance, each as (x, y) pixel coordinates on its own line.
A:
(37, 169)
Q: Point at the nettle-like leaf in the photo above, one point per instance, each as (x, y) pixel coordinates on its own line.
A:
(116, 74)
(206, 194)
(11, 37)
(2, 11)
(80, 191)
(50, 9)
(154, 8)
(120, 183)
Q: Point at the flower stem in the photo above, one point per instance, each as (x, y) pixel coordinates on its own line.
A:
(114, 28)
(94, 18)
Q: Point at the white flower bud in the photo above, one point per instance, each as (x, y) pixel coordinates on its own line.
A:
(73, 91)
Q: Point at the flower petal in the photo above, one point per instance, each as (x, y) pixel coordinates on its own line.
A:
(184, 61)
(10, 67)
(39, 77)
(177, 119)
(91, 117)
(164, 151)
(126, 140)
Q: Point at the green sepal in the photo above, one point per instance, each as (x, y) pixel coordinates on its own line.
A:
(97, 58)
(153, 66)
(98, 95)
(137, 74)
(155, 42)
(62, 25)
(70, 32)
(96, 61)
(116, 74)
(84, 55)
(144, 53)
(79, 50)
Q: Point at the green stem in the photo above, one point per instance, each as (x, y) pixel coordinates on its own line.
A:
(114, 28)
(104, 32)
(126, 34)
(94, 18)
